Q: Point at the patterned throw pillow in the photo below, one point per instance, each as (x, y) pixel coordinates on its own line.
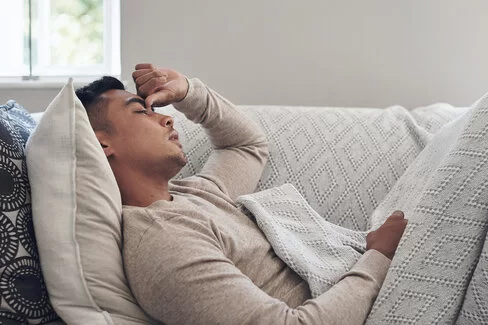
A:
(24, 299)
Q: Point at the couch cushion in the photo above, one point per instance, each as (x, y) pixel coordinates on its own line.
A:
(77, 218)
(22, 288)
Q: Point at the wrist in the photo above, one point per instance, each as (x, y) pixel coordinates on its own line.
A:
(185, 92)
(386, 253)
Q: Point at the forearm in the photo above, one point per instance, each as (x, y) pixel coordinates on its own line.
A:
(210, 290)
(350, 300)
(225, 124)
(347, 302)
(240, 146)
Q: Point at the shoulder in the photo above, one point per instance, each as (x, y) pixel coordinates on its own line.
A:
(158, 248)
(135, 221)
(161, 220)
(164, 225)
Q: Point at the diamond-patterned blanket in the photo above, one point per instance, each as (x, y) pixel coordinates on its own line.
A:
(439, 273)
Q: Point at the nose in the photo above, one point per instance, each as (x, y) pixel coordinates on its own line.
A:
(166, 121)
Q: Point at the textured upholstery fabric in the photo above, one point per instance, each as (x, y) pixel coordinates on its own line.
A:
(77, 217)
(342, 160)
(24, 298)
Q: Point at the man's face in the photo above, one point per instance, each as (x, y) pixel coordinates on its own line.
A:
(139, 137)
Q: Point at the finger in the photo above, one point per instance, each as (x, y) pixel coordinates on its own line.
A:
(138, 73)
(144, 66)
(397, 215)
(153, 74)
(161, 98)
(151, 86)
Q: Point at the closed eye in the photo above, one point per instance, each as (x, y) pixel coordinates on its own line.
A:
(145, 111)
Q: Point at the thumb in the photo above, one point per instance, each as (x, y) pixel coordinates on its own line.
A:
(160, 98)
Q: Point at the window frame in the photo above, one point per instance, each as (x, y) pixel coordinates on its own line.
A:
(111, 65)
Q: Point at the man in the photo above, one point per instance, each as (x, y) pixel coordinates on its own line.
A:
(191, 256)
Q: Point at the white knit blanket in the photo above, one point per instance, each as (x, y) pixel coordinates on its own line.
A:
(439, 274)
(317, 250)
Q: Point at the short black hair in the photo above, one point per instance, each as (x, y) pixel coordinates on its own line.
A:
(90, 97)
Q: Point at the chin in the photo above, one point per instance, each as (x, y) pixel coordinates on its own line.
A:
(182, 160)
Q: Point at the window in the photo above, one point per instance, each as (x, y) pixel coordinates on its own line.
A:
(45, 39)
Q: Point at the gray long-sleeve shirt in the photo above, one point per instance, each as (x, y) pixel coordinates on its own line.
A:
(199, 260)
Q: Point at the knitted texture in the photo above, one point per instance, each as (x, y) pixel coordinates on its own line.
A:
(317, 250)
(444, 195)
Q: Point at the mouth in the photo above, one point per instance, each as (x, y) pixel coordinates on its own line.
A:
(173, 135)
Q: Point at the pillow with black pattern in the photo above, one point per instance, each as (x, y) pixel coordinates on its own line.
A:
(23, 294)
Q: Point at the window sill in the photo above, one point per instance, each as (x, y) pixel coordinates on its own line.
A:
(46, 83)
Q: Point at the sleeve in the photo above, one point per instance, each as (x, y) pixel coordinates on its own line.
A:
(240, 146)
(190, 281)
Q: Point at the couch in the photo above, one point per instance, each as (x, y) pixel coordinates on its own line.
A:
(344, 161)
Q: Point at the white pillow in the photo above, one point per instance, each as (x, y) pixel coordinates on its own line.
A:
(76, 209)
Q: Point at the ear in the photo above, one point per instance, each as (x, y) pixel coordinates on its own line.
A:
(104, 140)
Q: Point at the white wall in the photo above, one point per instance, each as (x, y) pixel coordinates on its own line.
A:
(310, 52)
(317, 52)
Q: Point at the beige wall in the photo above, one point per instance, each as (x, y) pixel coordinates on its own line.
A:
(317, 52)
(34, 100)
(311, 52)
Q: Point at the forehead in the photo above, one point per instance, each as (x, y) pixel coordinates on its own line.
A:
(116, 97)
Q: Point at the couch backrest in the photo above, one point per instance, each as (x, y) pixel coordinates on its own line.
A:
(342, 160)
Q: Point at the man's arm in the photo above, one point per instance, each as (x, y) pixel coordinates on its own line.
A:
(190, 281)
(240, 147)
